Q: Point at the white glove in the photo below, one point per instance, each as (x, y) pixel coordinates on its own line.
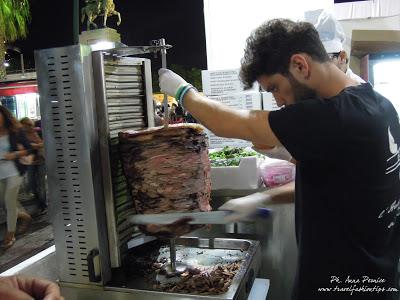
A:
(245, 206)
(278, 152)
(170, 82)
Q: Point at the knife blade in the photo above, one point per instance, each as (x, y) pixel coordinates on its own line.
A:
(211, 217)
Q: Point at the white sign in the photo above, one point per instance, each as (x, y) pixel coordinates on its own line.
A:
(269, 102)
(222, 82)
(249, 100)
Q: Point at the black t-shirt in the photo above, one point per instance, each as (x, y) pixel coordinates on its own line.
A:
(347, 193)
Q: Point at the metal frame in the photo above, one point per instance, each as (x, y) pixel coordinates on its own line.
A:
(72, 157)
(104, 141)
(239, 289)
(77, 135)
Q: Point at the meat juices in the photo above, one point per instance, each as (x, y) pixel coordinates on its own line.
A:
(168, 169)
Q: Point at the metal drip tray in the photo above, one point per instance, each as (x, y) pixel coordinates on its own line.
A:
(195, 252)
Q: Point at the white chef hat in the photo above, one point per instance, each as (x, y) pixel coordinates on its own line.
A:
(329, 29)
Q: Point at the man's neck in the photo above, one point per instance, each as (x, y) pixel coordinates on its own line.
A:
(332, 81)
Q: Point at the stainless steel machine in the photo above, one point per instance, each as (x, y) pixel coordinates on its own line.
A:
(86, 98)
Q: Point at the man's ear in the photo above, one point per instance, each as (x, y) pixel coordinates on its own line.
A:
(299, 66)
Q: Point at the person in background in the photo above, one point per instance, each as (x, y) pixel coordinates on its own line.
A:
(179, 114)
(13, 146)
(345, 138)
(172, 114)
(36, 168)
(38, 128)
(158, 120)
(28, 288)
(189, 118)
(332, 36)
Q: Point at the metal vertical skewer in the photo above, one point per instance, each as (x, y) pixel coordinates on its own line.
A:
(164, 65)
(172, 253)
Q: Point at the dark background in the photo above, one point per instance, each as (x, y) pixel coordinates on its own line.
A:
(180, 22)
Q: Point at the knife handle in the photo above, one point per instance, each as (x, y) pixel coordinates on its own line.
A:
(262, 212)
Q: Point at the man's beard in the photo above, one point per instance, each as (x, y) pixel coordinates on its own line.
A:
(301, 92)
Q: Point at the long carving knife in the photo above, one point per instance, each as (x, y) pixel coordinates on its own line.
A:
(212, 217)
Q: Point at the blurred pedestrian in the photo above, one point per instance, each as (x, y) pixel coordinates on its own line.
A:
(13, 147)
(36, 168)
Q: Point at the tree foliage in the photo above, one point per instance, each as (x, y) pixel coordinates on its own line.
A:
(14, 18)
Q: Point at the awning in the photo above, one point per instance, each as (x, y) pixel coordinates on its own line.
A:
(18, 88)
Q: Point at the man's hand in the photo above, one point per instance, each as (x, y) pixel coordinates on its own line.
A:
(170, 82)
(245, 206)
(28, 288)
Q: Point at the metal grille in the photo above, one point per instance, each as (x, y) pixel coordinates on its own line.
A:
(68, 125)
(124, 93)
(125, 110)
(67, 165)
(124, 101)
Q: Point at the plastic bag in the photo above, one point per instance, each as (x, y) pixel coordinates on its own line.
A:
(277, 173)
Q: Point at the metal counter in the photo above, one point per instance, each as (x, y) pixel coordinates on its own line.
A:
(242, 287)
(277, 238)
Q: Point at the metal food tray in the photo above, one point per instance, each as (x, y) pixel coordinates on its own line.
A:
(200, 252)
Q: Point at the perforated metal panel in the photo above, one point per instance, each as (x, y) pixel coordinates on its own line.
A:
(72, 162)
(124, 101)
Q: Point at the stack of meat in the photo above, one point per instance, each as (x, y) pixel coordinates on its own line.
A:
(168, 169)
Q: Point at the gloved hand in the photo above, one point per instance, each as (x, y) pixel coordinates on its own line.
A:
(245, 206)
(277, 152)
(173, 84)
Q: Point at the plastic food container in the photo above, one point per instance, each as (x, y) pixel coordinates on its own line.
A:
(246, 176)
(277, 173)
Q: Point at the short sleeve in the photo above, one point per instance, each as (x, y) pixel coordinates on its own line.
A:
(309, 130)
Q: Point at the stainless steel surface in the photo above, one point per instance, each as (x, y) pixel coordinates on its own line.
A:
(72, 156)
(164, 65)
(172, 254)
(239, 289)
(149, 93)
(174, 267)
(212, 217)
(85, 101)
(122, 99)
(140, 239)
(45, 268)
(137, 50)
(98, 63)
(277, 238)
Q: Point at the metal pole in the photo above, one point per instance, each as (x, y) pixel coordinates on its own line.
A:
(22, 63)
(164, 65)
(75, 20)
(172, 254)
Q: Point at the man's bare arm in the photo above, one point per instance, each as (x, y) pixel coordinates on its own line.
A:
(222, 120)
(281, 194)
(278, 195)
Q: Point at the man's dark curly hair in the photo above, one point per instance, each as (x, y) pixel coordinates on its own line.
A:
(270, 47)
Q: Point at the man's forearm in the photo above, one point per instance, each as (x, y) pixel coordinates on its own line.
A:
(225, 121)
(281, 194)
(214, 115)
